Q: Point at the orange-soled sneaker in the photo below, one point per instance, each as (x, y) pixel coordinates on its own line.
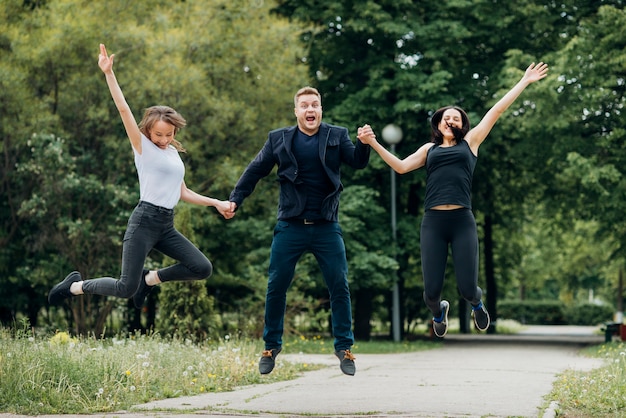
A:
(346, 362)
(268, 360)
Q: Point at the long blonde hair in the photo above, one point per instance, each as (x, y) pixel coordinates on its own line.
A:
(166, 114)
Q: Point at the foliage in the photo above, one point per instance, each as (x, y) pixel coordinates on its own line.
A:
(69, 212)
(554, 312)
(569, 262)
(509, 326)
(185, 309)
(589, 314)
(548, 189)
(591, 85)
(545, 312)
(596, 393)
(69, 375)
(367, 239)
(63, 374)
(575, 158)
(397, 62)
(68, 175)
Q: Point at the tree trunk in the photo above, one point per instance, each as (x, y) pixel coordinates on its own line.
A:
(363, 309)
(464, 317)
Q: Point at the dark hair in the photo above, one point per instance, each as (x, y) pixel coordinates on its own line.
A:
(437, 137)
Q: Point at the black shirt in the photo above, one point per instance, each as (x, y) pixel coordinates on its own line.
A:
(311, 174)
(449, 172)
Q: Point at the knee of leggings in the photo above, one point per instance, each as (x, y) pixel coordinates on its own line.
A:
(428, 300)
(472, 295)
(126, 292)
(204, 270)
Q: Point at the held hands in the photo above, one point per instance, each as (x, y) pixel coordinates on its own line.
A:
(366, 135)
(224, 208)
(535, 72)
(105, 62)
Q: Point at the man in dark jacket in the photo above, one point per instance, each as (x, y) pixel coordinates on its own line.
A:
(308, 157)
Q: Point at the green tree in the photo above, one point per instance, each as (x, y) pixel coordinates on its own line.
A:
(228, 67)
(384, 61)
(582, 152)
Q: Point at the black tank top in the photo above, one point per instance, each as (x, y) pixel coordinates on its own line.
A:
(449, 172)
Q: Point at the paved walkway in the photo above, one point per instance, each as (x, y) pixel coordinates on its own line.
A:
(470, 376)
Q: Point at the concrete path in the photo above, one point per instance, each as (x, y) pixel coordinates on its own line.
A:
(471, 376)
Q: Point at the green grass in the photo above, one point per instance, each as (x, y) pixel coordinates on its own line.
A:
(62, 374)
(509, 327)
(598, 393)
(320, 345)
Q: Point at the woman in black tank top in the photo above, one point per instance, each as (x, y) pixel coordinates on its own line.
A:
(450, 158)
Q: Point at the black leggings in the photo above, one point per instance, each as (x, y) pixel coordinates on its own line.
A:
(457, 229)
(151, 227)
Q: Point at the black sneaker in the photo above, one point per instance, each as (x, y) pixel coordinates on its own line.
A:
(268, 360)
(142, 291)
(481, 317)
(346, 362)
(440, 325)
(62, 290)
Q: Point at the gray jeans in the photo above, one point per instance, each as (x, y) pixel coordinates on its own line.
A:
(151, 227)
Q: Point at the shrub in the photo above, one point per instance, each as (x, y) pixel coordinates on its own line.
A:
(589, 314)
(554, 312)
(533, 311)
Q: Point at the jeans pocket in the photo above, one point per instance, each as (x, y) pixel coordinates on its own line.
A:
(133, 223)
(280, 226)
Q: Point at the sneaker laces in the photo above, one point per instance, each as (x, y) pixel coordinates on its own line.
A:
(348, 355)
(478, 307)
(267, 353)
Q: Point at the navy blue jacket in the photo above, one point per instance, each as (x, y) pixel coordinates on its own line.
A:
(335, 148)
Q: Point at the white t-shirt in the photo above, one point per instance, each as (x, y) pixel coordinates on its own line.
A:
(161, 173)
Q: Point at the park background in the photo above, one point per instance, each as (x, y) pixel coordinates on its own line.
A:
(548, 193)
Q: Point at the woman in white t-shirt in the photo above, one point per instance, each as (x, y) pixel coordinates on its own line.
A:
(151, 225)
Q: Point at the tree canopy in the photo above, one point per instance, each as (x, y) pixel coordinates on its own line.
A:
(548, 189)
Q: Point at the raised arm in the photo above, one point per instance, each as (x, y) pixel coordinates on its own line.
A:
(410, 163)
(105, 62)
(477, 135)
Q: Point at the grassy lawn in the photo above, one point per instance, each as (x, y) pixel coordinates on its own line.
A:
(597, 393)
(61, 374)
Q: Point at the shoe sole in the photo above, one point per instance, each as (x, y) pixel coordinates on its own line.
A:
(273, 357)
(445, 319)
(52, 299)
(347, 369)
(478, 326)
